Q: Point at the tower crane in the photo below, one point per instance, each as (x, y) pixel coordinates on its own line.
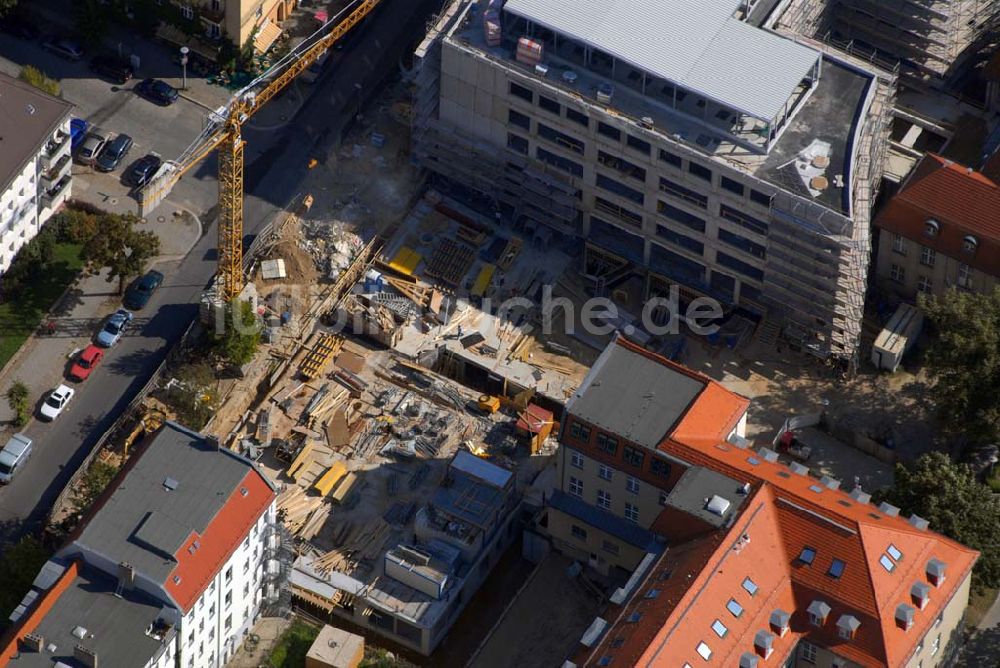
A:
(223, 131)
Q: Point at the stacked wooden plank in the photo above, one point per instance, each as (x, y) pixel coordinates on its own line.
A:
(303, 515)
(317, 358)
(363, 543)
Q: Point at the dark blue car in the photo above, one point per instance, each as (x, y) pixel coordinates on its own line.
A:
(138, 294)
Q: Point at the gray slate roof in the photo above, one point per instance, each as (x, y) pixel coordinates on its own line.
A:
(28, 118)
(142, 522)
(694, 43)
(628, 394)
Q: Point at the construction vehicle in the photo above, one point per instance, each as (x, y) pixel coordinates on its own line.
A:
(488, 404)
(223, 131)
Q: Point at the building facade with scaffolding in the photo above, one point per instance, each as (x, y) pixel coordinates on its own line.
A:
(700, 151)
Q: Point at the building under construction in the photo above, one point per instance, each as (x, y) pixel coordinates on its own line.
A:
(930, 39)
(679, 145)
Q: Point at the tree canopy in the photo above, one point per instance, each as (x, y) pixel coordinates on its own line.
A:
(964, 361)
(6, 7)
(35, 77)
(119, 247)
(957, 505)
(239, 341)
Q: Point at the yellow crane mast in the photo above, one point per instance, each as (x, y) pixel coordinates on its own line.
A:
(224, 131)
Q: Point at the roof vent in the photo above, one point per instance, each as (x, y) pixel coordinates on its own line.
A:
(935, 572)
(763, 642)
(860, 495)
(818, 612)
(745, 488)
(33, 642)
(244, 491)
(847, 626)
(920, 592)
(748, 660)
(170, 484)
(569, 77)
(768, 454)
(798, 469)
(919, 522)
(717, 505)
(738, 441)
(904, 616)
(779, 622)
(646, 122)
(79, 632)
(830, 483)
(889, 509)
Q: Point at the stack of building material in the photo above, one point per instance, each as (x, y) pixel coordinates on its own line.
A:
(300, 513)
(363, 543)
(301, 462)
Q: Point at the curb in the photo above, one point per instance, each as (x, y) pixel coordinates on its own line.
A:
(33, 337)
(161, 259)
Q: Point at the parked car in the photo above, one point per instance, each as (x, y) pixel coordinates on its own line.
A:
(18, 27)
(56, 402)
(85, 363)
(157, 91)
(91, 147)
(113, 153)
(13, 456)
(65, 48)
(142, 170)
(138, 294)
(112, 67)
(77, 131)
(114, 328)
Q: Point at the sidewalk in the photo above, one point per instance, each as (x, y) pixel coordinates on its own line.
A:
(42, 362)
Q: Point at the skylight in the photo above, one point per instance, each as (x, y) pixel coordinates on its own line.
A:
(750, 586)
(735, 608)
(894, 552)
(836, 568)
(887, 563)
(704, 651)
(634, 617)
(807, 555)
(719, 628)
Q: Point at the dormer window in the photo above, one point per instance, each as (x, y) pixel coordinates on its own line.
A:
(969, 244)
(847, 626)
(818, 612)
(931, 228)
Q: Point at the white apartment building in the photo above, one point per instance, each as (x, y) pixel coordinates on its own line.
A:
(171, 568)
(677, 142)
(35, 162)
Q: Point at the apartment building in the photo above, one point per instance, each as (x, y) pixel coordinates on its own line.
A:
(676, 142)
(929, 39)
(35, 163)
(730, 557)
(940, 231)
(239, 19)
(170, 569)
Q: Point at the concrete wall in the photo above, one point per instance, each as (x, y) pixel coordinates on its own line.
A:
(943, 274)
(242, 16)
(596, 548)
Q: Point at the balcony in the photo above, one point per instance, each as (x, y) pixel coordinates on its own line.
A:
(55, 149)
(55, 195)
(56, 171)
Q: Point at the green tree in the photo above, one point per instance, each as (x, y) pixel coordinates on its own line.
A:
(119, 247)
(239, 340)
(195, 397)
(91, 21)
(19, 567)
(35, 77)
(17, 399)
(94, 481)
(956, 504)
(964, 361)
(6, 7)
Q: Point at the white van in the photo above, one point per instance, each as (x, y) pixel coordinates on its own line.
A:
(13, 456)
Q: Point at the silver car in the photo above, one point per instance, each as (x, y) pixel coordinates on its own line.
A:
(91, 147)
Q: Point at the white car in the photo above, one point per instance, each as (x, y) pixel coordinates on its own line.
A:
(56, 402)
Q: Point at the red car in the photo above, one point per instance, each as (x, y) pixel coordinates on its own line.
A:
(85, 363)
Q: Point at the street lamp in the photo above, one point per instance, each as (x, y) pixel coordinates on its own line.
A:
(184, 66)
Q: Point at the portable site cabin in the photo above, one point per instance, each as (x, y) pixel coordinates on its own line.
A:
(898, 337)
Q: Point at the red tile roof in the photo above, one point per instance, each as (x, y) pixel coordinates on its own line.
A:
(787, 511)
(10, 649)
(962, 200)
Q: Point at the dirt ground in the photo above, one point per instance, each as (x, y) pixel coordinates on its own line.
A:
(544, 623)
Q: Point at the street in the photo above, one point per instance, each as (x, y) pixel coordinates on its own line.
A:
(277, 155)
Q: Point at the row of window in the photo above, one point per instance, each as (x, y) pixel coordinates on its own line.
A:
(609, 445)
(603, 499)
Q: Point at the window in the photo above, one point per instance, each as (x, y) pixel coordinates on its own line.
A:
(607, 444)
(898, 244)
(734, 608)
(228, 599)
(559, 162)
(560, 139)
(807, 555)
(246, 566)
(229, 574)
(936, 645)
(604, 472)
(940, 618)
(927, 256)
(187, 12)
(620, 189)
(580, 431)
(680, 240)
(925, 284)
(704, 651)
(807, 652)
(619, 212)
(887, 563)
(742, 243)
(575, 487)
(632, 485)
(631, 512)
(638, 144)
(659, 467)
(969, 244)
(576, 459)
(836, 568)
(549, 105)
(702, 172)
(634, 456)
(608, 131)
(760, 198)
(578, 532)
(577, 117)
(518, 119)
(604, 499)
(719, 628)
(686, 194)
(621, 165)
(894, 552)
(897, 273)
(517, 143)
(520, 91)
(739, 265)
(749, 586)
(682, 217)
(610, 547)
(931, 227)
(964, 276)
(670, 158)
(734, 187)
(229, 622)
(742, 219)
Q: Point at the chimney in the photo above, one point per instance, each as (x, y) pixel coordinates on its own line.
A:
(768, 454)
(213, 441)
(126, 576)
(33, 642)
(85, 656)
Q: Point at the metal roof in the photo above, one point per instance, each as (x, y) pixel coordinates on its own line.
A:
(633, 534)
(627, 394)
(479, 468)
(698, 484)
(694, 43)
